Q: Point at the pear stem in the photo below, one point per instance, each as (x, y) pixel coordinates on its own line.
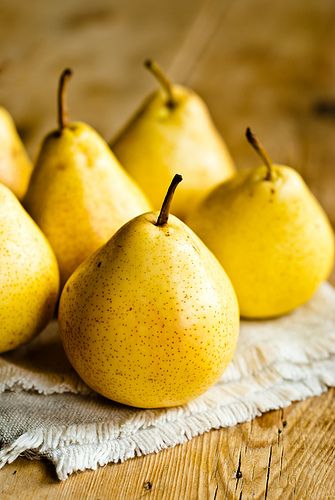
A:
(165, 210)
(261, 151)
(63, 117)
(153, 67)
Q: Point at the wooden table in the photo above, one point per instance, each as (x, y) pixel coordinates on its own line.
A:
(269, 65)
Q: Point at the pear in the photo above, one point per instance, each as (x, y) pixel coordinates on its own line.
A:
(173, 131)
(270, 234)
(151, 319)
(15, 166)
(79, 194)
(29, 277)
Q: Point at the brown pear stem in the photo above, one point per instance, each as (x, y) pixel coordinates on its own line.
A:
(165, 210)
(261, 151)
(63, 117)
(153, 67)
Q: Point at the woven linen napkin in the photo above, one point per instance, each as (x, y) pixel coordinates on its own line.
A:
(47, 411)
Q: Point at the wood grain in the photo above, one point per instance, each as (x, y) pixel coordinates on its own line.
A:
(265, 64)
(284, 454)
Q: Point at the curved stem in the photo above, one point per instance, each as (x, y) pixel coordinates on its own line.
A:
(165, 210)
(63, 118)
(260, 150)
(153, 67)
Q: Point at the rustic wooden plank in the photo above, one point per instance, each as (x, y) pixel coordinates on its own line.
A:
(105, 44)
(283, 454)
(270, 66)
(265, 64)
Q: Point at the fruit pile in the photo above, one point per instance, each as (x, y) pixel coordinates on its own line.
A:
(149, 312)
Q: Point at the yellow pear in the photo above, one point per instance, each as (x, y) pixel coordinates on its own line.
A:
(270, 234)
(79, 194)
(151, 319)
(15, 166)
(29, 278)
(173, 131)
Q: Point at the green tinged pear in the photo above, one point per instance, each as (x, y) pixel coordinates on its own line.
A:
(173, 131)
(79, 194)
(270, 234)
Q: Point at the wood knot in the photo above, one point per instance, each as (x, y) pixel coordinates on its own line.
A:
(147, 485)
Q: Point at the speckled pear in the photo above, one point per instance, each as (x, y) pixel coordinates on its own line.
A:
(270, 234)
(15, 166)
(173, 131)
(79, 194)
(29, 278)
(151, 319)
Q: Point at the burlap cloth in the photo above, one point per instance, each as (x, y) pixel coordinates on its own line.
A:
(47, 411)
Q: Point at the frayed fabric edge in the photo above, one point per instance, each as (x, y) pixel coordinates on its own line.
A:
(78, 457)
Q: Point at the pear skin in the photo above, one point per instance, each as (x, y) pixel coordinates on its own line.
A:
(79, 194)
(15, 166)
(173, 131)
(271, 235)
(29, 277)
(151, 319)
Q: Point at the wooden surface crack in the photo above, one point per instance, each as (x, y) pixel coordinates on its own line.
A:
(238, 473)
(268, 472)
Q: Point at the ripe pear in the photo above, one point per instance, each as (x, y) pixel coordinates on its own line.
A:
(79, 194)
(151, 319)
(15, 166)
(29, 278)
(270, 234)
(173, 130)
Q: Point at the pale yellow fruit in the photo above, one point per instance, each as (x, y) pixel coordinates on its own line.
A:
(272, 237)
(162, 139)
(151, 319)
(79, 194)
(15, 166)
(29, 280)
